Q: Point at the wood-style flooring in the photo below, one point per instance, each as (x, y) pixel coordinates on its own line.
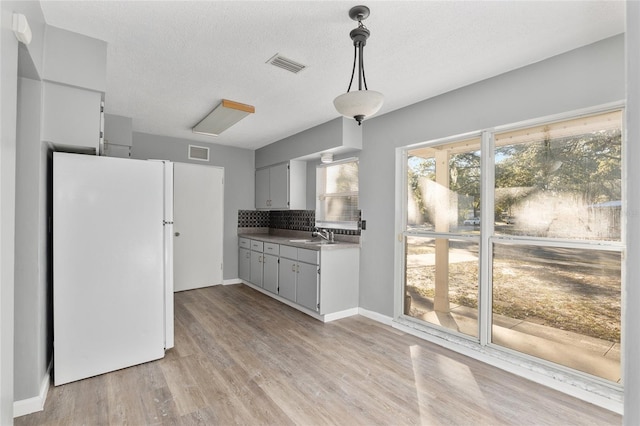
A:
(241, 357)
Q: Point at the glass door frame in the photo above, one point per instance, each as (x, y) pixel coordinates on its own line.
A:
(454, 340)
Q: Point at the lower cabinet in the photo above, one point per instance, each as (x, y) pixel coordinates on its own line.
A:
(244, 264)
(256, 268)
(307, 286)
(287, 278)
(294, 274)
(299, 280)
(270, 273)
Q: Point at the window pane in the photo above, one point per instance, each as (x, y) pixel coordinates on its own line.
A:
(559, 304)
(337, 196)
(444, 187)
(441, 283)
(561, 180)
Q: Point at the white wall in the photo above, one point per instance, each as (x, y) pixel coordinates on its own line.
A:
(585, 77)
(238, 181)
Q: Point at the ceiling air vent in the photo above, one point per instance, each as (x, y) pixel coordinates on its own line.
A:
(198, 153)
(286, 64)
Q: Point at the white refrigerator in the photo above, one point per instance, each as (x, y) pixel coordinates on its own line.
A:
(112, 263)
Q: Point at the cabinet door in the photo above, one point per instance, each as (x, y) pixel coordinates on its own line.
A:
(244, 264)
(256, 268)
(279, 186)
(307, 286)
(71, 116)
(270, 273)
(287, 278)
(262, 189)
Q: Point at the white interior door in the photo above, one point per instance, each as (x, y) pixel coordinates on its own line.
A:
(198, 225)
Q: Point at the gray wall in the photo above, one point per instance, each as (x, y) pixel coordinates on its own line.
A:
(631, 313)
(585, 77)
(10, 68)
(31, 292)
(238, 181)
(338, 135)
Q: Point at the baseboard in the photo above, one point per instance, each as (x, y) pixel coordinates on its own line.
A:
(35, 404)
(375, 316)
(339, 315)
(232, 281)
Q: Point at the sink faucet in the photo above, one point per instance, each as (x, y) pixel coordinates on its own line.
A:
(325, 234)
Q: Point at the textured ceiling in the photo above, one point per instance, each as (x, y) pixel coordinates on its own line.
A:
(169, 63)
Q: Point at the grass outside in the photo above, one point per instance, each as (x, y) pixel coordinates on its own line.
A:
(554, 291)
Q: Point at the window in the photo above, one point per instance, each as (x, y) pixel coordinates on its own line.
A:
(337, 195)
(521, 249)
(442, 235)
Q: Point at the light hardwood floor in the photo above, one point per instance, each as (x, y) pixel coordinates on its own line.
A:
(243, 358)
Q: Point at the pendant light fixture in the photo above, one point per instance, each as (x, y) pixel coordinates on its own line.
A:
(359, 104)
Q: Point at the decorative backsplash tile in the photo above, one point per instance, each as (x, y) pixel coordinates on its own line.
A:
(295, 220)
(253, 219)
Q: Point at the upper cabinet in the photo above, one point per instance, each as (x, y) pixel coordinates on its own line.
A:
(74, 84)
(282, 187)
(118, 136)
(71, 117)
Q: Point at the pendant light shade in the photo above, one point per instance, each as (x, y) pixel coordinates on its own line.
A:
(363, 103)
(359, 104)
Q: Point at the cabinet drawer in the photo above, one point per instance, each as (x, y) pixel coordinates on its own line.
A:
(289, 252)
(244, 243)
(308, 256)
(257, 245)
(272, 248)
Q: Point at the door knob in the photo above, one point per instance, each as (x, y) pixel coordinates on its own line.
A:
(177, 234)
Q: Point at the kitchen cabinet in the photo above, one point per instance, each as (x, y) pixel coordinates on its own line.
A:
(270, 273)
(256, 262)
(307, 286)
(323, 283)
(244, 264)
(118, 136)
(282, 186)
(71, 117)
(298, 278)
(287, 278)
(244, 259)
(270, 262)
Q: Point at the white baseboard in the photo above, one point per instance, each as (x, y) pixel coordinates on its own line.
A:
(232, 281)
(339, 315)
(35, 404)
(375, 316)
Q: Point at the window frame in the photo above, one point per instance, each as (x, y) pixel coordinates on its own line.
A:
(345, 225)
(482, 348)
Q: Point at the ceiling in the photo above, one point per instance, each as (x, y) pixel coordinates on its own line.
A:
(170, 63)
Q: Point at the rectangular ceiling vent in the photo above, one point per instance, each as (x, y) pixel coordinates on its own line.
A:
(198, 153)
(286, 64)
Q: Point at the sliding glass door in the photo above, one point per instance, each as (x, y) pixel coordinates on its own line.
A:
(442, 235)
(513, 239)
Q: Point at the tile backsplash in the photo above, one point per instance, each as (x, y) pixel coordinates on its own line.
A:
(295, 220)
(253, 219)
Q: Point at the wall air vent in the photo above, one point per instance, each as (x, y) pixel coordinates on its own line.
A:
(200, 153)
(286, 64)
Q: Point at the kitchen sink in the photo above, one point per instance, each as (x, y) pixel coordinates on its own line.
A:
(307, 241)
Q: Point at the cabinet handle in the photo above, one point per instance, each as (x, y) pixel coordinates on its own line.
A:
(297, 269)
(293, 267)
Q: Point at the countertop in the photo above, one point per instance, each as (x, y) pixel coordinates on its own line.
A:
(294, 240)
